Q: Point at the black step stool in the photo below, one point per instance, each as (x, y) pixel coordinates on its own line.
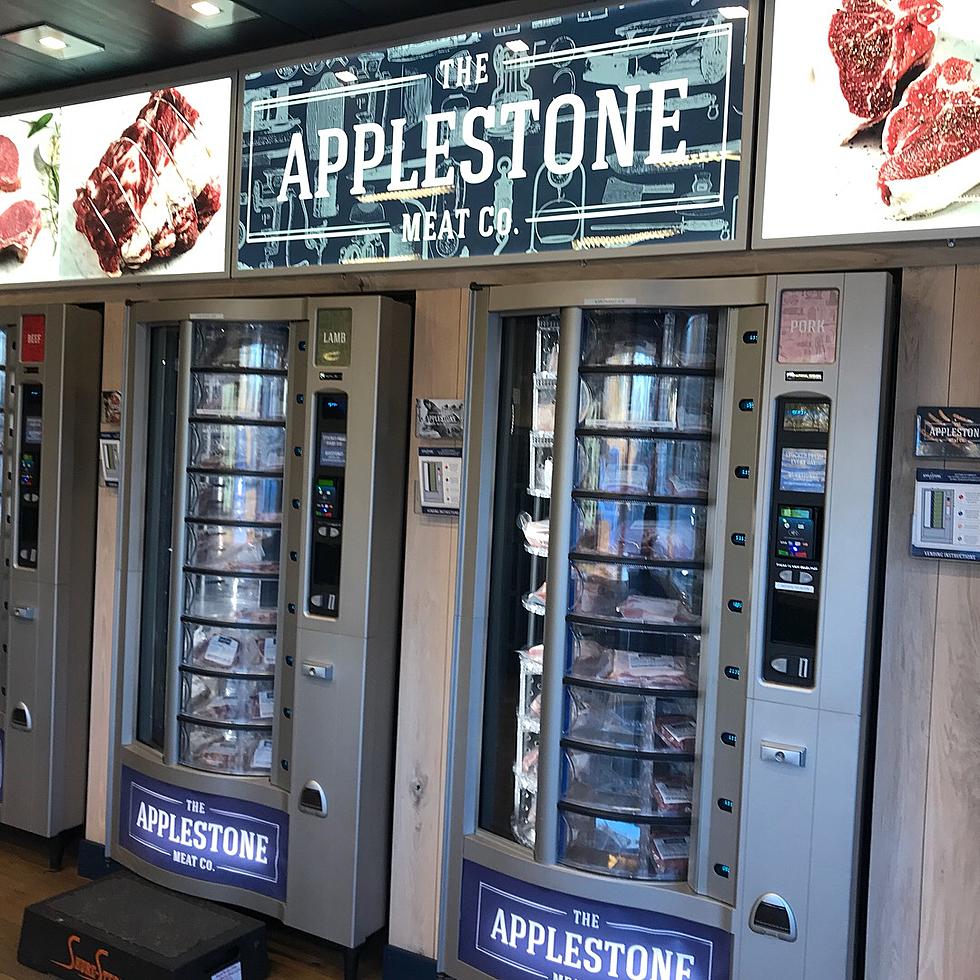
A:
(124, 928)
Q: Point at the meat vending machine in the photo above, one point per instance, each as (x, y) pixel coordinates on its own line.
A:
(666, 629)
(264, 443)
(50, 372)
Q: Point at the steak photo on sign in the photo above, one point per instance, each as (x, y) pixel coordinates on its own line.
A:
(30, 150)
(874, 118)
(149, 194)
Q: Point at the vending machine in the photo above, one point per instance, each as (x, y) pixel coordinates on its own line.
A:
(50, 369)
(263, 485)
(666, 629)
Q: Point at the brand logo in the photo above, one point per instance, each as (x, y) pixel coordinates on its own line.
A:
(90, 969)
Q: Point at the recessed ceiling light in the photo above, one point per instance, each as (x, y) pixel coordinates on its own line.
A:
(205, 8)
(53, 42)
(518, 46)
(734, 13)
(346, 76)
(208, 14)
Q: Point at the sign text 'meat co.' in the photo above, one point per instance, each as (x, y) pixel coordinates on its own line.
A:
(608, 127)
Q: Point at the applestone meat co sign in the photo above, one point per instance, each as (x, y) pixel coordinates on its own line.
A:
(608, 127)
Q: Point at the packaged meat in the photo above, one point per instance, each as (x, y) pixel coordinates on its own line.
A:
(669, 857)
(678, 731)
(653, 609)
(672, 796)
(232, 751)
(542, 451)
(525, 815)
(545, 389)
(244, 651)
(228, 699)
(533, 656)
(155, 189)
(536, 533)
(534, 602)
(643, 465)
(648, 670)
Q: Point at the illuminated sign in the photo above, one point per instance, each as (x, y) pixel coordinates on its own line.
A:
(133, 185)
(869, 130)
(608, 127)
(513, 930)
(202, 836)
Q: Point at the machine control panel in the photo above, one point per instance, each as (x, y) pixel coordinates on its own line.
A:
(327, 524)
(29, 475)
(796, 531)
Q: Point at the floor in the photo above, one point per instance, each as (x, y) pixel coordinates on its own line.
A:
(25, 878)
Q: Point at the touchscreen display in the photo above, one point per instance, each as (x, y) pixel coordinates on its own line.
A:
(32, 428)
(806, 416)
(803, 470)
(333, 449)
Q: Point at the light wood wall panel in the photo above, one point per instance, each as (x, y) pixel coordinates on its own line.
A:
(925, 865)
(441, 328)
(103, 621)
(949, 945)
(908, 634)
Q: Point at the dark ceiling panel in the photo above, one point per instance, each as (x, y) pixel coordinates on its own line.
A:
(142, 37)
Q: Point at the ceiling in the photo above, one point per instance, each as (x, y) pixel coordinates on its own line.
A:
(141, 37)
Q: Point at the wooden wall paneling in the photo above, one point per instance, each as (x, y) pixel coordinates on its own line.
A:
(103, 623)
(441, 327)
(911, 585)
(951, 861)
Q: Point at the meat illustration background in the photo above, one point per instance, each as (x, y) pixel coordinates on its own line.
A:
(292, 233)
(819, 184)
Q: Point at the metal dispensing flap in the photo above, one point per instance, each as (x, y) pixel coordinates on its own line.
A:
(772, 916)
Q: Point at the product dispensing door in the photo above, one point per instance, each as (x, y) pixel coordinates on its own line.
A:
(50, 372)
(265, 456)
(665, 629)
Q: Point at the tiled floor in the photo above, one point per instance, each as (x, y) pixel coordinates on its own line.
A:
(25, 878)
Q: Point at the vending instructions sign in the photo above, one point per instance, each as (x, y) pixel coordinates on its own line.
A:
(199, 835)
(513, 930)
(946, 515)
(616, 126)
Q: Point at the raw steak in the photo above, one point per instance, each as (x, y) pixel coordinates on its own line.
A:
(155, 189)
(19, 227)
(933, 142)
(875, 44)
(9, 165)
